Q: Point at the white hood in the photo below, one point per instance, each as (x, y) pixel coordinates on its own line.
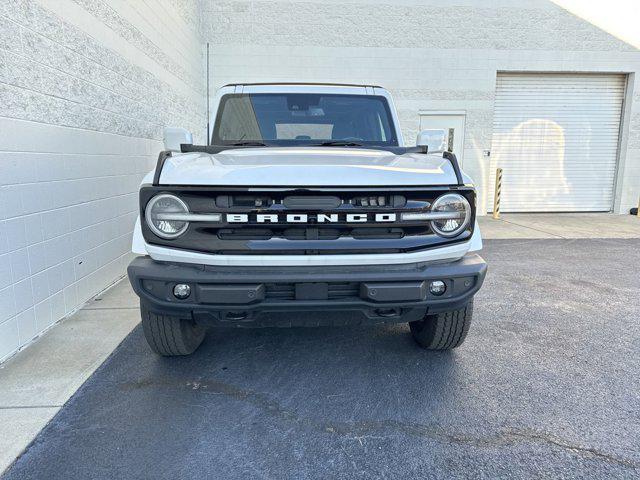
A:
(307, 166)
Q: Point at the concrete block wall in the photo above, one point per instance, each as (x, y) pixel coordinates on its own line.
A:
(86, 87)
(628, 178)
(433, 55)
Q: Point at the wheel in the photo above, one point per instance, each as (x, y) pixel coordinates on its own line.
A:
(443, 331)
(169, 335)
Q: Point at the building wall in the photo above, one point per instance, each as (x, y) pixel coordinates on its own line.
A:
(431, 54)
(86, 87)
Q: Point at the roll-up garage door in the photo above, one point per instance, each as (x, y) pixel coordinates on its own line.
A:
(556, 138)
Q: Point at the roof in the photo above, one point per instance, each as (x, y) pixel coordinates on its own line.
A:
(305, 83)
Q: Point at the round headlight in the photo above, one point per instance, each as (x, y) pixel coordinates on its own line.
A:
(158, 214)
(460, 209)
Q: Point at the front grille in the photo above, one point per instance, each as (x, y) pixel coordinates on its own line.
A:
(305, 221)
(241, 233)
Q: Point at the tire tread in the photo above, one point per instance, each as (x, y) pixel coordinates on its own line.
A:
(443, 331)
(169, 335)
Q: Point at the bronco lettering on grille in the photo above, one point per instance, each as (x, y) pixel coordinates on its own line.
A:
(306, 218)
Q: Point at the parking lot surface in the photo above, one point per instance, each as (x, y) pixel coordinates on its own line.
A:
(547, 385)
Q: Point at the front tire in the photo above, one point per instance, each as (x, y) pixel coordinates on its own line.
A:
(169, 335)
(443, 331)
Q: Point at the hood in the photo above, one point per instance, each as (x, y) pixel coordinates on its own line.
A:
(307, 166)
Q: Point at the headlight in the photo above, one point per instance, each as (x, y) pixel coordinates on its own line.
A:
(162, 214)
(451, 203)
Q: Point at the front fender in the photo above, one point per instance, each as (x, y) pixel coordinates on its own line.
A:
(138, 245)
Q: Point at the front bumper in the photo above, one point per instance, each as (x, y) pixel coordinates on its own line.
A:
(262, 296)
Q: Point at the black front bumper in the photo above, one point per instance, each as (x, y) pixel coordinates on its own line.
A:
(257, 296)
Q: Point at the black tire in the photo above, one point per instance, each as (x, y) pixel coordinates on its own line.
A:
(169, 335)
(443, 331)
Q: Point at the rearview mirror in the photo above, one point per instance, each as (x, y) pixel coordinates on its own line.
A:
(174, 136)
(432, 140)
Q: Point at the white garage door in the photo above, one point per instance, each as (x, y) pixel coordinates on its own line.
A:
(556, 138)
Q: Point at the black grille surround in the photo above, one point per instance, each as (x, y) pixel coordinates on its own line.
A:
(311, 237)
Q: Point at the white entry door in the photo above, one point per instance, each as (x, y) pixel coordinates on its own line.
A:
(556, 138)
(452, 123)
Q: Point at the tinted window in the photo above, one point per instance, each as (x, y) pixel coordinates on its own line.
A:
(303, 119)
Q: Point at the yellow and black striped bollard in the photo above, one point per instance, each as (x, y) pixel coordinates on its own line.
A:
(496, 195)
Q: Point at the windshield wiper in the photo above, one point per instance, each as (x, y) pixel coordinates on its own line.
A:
(339, 143)
(248, 144)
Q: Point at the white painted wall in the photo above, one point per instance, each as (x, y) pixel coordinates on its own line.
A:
(86, 87)
(437, 55)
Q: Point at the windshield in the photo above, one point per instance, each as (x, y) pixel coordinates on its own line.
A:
(294, 119)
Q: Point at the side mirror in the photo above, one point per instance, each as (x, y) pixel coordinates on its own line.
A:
(432, 140)
(174, 136)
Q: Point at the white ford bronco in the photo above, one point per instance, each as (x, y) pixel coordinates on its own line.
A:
(305, 208)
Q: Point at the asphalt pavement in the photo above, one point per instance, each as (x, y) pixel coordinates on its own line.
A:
(546, 385)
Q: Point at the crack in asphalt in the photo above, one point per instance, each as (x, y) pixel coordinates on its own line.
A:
(507, 437)
(374, 429)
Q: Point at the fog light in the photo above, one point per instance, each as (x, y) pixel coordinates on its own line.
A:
(181, 291)
(437, 287)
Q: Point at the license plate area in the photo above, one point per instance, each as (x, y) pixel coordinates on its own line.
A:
(312, 291)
